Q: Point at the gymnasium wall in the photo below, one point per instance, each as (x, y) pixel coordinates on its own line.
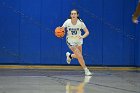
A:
(27, 32)
(137, 47)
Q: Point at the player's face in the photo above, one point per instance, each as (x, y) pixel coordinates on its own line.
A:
(74, 14)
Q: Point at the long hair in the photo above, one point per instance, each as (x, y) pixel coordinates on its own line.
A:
(77, 14)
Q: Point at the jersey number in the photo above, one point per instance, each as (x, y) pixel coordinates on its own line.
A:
(74, 32)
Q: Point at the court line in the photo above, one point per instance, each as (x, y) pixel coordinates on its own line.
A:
(52, 67)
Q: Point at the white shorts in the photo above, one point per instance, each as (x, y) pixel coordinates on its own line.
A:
(74, 41)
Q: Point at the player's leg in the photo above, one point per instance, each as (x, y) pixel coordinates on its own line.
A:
(80, 48)
(80, 58)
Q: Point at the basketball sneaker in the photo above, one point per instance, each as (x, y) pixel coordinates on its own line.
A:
(68, 57)
(87, 72)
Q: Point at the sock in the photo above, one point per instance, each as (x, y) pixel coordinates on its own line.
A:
(70, 56)
(85, 69)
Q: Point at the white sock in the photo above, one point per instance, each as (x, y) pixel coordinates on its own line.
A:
(85, 68)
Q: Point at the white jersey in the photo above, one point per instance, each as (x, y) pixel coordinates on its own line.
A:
(73, 30)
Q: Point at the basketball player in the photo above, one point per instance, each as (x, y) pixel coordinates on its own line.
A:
(74, 39)
(136, 14)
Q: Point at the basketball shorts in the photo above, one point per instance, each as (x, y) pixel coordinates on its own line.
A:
(74, 41)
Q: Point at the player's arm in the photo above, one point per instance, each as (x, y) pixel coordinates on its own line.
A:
(86, 32)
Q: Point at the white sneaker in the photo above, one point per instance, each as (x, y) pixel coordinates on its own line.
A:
(87, 72)
(68, 58)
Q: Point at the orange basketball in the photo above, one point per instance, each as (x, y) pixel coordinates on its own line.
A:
(60, 32)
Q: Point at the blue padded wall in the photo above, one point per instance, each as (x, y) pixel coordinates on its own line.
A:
(27, 32)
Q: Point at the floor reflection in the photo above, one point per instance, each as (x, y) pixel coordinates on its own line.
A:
(71, 88)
